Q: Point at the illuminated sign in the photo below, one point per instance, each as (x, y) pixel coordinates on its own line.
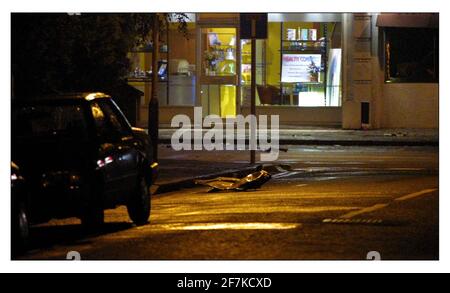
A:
(300, 67)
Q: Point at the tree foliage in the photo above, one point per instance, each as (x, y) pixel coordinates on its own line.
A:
(61, 52)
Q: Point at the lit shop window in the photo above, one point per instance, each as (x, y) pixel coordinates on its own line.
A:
(182, 59)
(302, 65)
(219, 56)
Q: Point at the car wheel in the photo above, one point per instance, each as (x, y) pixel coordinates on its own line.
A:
(20, 228)
(93, 215)
(139, 204)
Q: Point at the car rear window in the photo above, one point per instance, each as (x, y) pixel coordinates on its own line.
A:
(49, 120)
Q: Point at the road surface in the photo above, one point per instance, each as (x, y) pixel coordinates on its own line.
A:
(328, 203)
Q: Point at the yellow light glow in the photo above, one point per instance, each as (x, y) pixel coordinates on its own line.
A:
(228, 226)
(90, 97)
(227, 100)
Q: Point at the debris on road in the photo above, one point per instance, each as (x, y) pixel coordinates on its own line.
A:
(270, 149)
(251, 181)
(396, 134)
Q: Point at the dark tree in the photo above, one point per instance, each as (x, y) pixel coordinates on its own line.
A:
(61, 52)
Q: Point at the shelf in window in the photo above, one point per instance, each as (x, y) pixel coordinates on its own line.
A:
(147, 51)
(304, 41)
(142, 79)
(308, 50)
(303, 83)
(257, 64)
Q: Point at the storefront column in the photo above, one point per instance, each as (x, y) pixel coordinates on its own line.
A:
(358, 105)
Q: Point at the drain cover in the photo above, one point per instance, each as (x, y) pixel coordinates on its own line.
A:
(352, 221)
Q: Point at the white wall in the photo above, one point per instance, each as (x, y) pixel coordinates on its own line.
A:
(302, 116)
(410, 105)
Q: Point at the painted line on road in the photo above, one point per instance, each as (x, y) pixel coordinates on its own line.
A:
(416, 194)
(363, 211)
(284, 174)
(383, 205)
(352, 221)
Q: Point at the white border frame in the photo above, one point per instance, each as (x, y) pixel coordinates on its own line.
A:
(225, 6)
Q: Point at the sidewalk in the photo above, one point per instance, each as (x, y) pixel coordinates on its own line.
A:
(179, 169)
(335, 136)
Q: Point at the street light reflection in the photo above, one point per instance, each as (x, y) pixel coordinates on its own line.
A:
(231, 226)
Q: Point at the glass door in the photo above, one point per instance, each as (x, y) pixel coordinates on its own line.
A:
(219, 65)
(246, 69)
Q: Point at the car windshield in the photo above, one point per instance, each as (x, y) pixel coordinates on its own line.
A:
(49, 120)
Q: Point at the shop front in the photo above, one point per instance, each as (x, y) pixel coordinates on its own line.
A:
(349, 70)
(299, 73)
(298, 69)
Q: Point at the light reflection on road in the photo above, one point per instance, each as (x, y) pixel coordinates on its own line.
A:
(227, 226)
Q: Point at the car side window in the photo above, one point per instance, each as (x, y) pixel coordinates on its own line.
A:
(115, 118)
(63, 120)
(109, 126)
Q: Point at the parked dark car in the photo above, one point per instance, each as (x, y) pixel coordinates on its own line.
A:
(78, 156)
(19, 219)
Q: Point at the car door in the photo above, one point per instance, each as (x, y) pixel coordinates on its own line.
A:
(124, 147)
(108, 154)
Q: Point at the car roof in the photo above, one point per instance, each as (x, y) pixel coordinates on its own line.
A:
(85, 96)
(88, 96)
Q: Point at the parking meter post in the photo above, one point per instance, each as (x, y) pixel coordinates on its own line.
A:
(252, 136)
(153, 127)
(153, 107)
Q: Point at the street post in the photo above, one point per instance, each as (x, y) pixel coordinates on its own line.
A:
(253, 26)
(153, 107)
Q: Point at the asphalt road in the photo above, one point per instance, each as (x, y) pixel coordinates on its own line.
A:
(331, 203)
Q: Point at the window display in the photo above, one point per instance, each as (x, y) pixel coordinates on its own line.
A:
(306, 64)
(301, 67)
(219, 56)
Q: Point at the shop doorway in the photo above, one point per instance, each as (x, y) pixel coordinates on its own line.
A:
(218, 69)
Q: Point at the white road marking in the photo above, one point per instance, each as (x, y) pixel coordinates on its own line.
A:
(284, 174)
(415, 194)
(363, 211)
(383, 205)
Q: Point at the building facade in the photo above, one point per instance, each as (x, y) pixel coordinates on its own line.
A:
(314, 69)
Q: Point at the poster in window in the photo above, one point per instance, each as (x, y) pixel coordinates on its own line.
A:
(303, 34)
(291, 33)
(312, 34)
(213, 39)
(300, 67)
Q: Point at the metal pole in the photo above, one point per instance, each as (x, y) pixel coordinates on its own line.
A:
(153, 107)
(253, 94)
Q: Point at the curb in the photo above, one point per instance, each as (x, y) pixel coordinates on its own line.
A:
(274, 169)
(344, 142)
